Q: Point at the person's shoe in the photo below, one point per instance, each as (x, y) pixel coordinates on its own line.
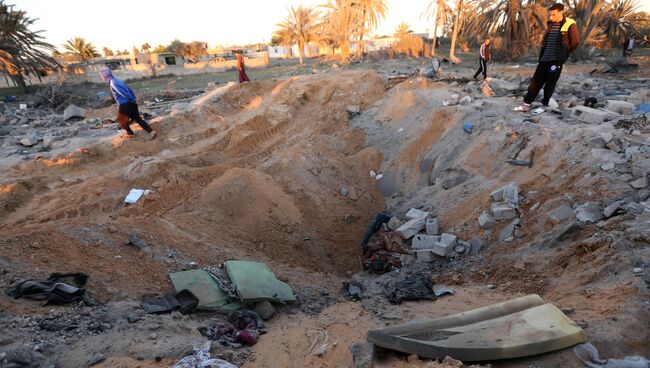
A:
(153, 134)
(128, 136)
(538, 111)
(522, 108)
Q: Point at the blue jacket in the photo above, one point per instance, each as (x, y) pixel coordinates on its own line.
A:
(121, 92)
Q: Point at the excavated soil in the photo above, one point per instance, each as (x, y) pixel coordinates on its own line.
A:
(255, 171)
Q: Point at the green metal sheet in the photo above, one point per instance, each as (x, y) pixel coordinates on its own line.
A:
(203, 285)
(254, 282)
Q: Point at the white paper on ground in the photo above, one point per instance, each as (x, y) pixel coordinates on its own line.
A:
(134, 195)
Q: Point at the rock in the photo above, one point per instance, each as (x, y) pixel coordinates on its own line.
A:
(414, 213)
(503, 211)
(411, 227)
(560, 214)
(432, 226)
(589, 212)
(95, 359)
(637, 270)
(456, 180)
(486, 220)
(607, 136)
(589, 115)
(613, 147)
(73, 111)
(476, 245)
(643, 194)
(611, 209)
(508, 194)
(353, 194)
(502, 85)
(353, 110)
(620, 107)
(607, 166)
(32, 140)
(509, 230)
(641, 168)
(133, 318)
(363, 354)
(394, 223)
(640, 183)
(460, 249)
(635, 208)
(344, 192)
(596, 142)
(265, 309)
(424, 241)
(465, 100)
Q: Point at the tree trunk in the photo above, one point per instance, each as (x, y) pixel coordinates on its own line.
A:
(435, 38)
(345, 51)
(452, 54)
(301, 47)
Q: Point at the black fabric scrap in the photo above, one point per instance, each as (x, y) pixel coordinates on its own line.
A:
(372, 228)
(413, 287)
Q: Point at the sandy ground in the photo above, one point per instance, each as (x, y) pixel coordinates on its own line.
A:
(254, 171)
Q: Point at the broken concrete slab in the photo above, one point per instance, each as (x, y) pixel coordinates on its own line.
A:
(414, 213)
(447, 243)
(411, 227)
(73, 111)
(620, 107)
(363, 354)
(432, 226)
(605, 155)
(486, 220)
(509, 230)
(560, 214)
(590, 115)
(611, 209)
(503, 211)
(589, 212)
(508, 194)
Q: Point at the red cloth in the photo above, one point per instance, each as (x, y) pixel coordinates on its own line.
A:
(241, 69)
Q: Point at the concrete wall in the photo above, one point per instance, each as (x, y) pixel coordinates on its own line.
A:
(90, 73)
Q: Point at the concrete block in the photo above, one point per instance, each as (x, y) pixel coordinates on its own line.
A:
(448, 240)
(394, 223)
(620, 107)
(411, 227)
(486, 220)
(414, 213)
(503, 211)
(423, 241)
(432, 226)
(560, 214)
(508, 194)
(589, 115)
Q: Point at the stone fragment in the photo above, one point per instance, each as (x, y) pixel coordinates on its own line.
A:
(589, 115)
(589, 212)
(503, 211)
(509, 230)
(560, 214)
(611, 209)
(265, 309)
(486, 220)
(414, 213)
(411, 227)
(620, 107)
(640, 183)
(73, 111)
(363, 354)
(476, 245)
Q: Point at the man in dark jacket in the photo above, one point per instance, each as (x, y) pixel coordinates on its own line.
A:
(560, 40)
(127, 104)
(484, 57)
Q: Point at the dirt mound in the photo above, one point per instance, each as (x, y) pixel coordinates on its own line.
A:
(247, 199)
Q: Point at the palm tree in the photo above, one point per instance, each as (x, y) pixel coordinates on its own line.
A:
(402, 30)
(440, 11)
(107, 52)
(339, 24)
(146, 47)
(22, 51)
(457, 21)
(81, 49)
(589, 16)
(619, 21)
(300, 26)
(370, 13)
(284, 36)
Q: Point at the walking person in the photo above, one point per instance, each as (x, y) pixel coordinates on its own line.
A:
(127, 111)
(241, 69)
(560, 39)
(628, 46)
(484, 57)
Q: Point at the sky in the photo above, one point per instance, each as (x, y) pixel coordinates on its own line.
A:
(122, 24)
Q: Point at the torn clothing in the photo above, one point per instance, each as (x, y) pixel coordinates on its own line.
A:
(243, 328)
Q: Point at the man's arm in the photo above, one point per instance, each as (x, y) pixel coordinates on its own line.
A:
(574, 39)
